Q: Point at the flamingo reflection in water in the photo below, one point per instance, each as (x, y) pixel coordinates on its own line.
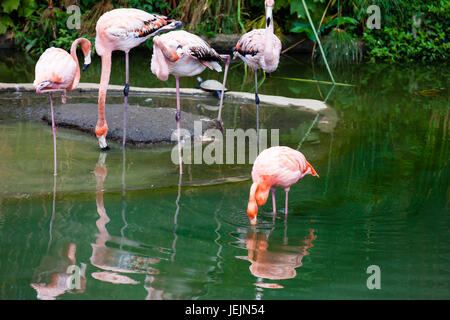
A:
(119, 263)
(278, 263)
(186, 278)
(173, 287)
(114, 261)
(53, 277)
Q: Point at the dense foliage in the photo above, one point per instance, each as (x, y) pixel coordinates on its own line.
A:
(419, 33)
(410, 30)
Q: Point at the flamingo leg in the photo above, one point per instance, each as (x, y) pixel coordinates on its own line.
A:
(257, 110)
(54, 133)
(178, 117)
(286, 204)
(273, 201)
(227, 64)
(63, 93)
(125, 99)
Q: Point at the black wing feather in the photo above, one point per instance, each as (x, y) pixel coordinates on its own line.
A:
(205, 54)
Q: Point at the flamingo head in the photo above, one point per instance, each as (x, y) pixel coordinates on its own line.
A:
(252, 211)
(40, 86)
(269, 8)
(86, 47)
(252, 207)
(310, 170)
(259, 192)
(269, 3)
(101, 131)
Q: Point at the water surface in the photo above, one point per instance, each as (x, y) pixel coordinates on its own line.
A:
(138, 231)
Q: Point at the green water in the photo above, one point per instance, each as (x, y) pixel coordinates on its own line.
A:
(141, 232)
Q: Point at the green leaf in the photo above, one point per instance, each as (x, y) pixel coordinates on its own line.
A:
(5, 22)
(303, 27)
(297, 8)
(342, 20)
(10, 5)
(27, 8)
(30, 45)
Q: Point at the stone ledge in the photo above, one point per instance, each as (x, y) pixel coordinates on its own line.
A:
(311, 105)
(146, 126)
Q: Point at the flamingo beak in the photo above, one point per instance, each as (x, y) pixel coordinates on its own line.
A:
(234, 52)
(253, 221)
(87, 60)
(178, 24)
(173, 25)
(102, 142)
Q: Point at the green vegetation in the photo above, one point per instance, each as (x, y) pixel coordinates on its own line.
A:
(410, 30)
(404, 40)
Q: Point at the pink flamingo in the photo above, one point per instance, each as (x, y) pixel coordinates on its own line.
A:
(184, 54)
(260, 49)
(122, 29)
(275, 167)
(57, 70)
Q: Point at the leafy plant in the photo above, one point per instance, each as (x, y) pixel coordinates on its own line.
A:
(341, 48)
(404, 40)
(340, 24)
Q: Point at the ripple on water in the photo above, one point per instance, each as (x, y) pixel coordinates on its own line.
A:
(238, 218)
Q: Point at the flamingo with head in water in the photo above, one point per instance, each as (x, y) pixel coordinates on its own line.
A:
(183, 54)
(122, 29)
(57, 70)
(260, 49)
(275, 167)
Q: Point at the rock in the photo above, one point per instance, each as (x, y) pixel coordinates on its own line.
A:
(305, 104)
(224, 43)
(144, 125)
(168, 117)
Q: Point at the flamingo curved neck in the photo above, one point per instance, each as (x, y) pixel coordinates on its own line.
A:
(73, 53)
(104, 81)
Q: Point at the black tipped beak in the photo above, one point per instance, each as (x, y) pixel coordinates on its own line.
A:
(233, 49)
(105, 148)
(85, 66)
(178, 24)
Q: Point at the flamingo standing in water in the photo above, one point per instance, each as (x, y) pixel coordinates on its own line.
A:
(260, 49)
(57, 70)
(183, 54)
(275, 167)
(122, 29)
